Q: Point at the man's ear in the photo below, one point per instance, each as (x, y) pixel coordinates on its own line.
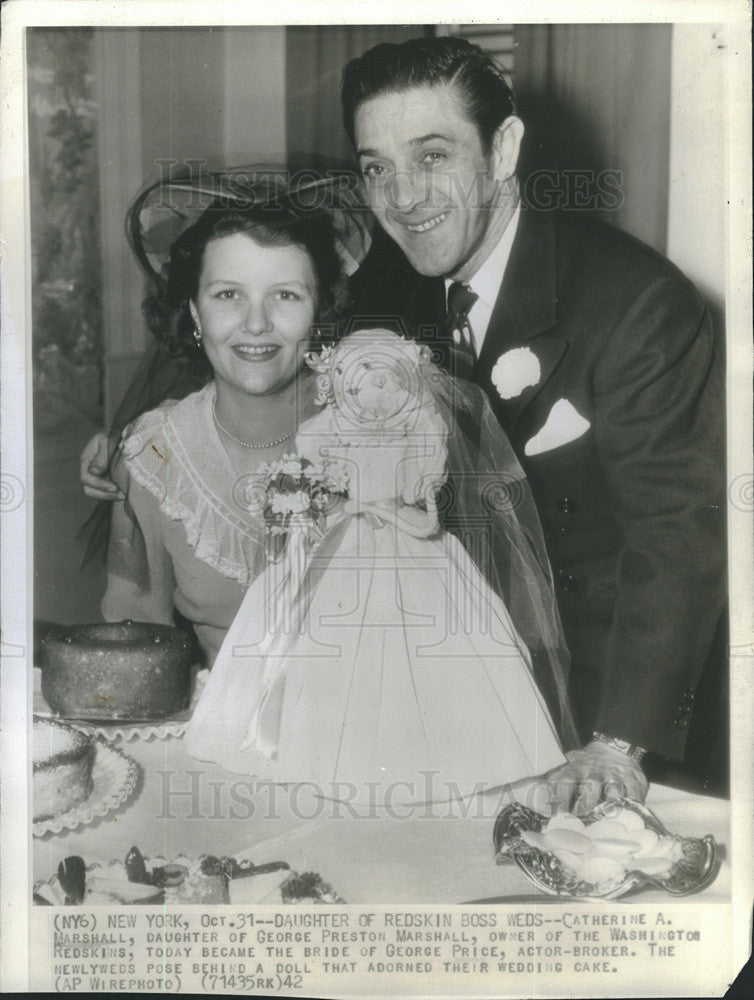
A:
(506, 145)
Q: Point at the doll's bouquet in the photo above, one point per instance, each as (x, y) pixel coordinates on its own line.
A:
(298, 496)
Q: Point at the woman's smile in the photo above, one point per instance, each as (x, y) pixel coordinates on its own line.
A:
(256, 352)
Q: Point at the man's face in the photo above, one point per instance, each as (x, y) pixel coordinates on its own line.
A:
(428, 180)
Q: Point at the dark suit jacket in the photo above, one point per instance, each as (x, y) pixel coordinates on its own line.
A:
(633, 509)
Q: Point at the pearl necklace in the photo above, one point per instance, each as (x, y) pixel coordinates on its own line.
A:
(246, 444)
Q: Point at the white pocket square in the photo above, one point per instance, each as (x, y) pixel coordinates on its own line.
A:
(564, 424)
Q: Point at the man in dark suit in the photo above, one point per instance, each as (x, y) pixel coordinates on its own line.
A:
(601, 364)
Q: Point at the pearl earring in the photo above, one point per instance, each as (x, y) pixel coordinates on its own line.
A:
(198, 336)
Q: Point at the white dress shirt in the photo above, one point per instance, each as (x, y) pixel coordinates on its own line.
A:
(486, 284)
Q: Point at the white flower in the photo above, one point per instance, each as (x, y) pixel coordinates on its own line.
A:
(515, 371)
(279, 503)
(290, 466)
(299, 502)
(289, 503)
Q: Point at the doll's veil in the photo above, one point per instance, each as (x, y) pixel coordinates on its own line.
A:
(482, 497)
(487, 503)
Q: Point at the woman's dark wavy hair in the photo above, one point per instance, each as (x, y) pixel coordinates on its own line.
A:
(167, 304)
(419, 62)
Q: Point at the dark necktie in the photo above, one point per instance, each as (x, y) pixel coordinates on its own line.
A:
(458, 331)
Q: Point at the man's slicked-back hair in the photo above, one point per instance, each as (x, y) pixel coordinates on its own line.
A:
(422, 62)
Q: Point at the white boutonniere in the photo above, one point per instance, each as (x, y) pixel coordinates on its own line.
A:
(515, 371)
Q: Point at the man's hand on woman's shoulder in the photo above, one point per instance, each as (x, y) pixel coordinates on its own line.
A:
(92, 468)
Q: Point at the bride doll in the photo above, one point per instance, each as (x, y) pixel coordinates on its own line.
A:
(379, 646)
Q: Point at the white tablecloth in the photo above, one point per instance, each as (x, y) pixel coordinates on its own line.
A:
(429, 854)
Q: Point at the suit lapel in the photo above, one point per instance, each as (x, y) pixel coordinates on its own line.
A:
(525, 314)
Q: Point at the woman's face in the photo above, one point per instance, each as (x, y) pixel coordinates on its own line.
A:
(255, 306)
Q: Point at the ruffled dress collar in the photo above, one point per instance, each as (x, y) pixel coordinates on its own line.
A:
(176, 454)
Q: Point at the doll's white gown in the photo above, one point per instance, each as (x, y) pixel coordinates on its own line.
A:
(381, 656)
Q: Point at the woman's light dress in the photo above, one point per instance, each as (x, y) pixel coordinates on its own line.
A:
(187, 539)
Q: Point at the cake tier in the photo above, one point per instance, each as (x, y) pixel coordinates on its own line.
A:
(62, 769)
(122, 670)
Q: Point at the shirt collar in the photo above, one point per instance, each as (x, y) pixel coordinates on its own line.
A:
(488, 279)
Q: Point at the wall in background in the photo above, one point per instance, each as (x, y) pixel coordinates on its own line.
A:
(648, 100)
(254, 94)
(216, 94)
(315, 57)
(697, 197)
(118, 81)
(596, 98)
(182, 95)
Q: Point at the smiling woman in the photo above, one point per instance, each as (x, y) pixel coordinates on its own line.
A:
(244, 312)
(237, 302)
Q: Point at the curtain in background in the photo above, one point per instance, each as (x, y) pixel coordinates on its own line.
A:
(596, 97)
(315, 57)
(65, 226)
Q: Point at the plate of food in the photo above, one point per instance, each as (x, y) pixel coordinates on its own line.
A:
(181, 881)
(617, 848)
(76, 777)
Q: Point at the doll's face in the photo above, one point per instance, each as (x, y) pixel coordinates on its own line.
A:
(377, 391)
(376, 379)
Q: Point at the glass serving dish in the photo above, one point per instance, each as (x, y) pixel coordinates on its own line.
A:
(694, 860)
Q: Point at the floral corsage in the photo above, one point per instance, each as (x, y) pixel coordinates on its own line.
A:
(298, 495)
